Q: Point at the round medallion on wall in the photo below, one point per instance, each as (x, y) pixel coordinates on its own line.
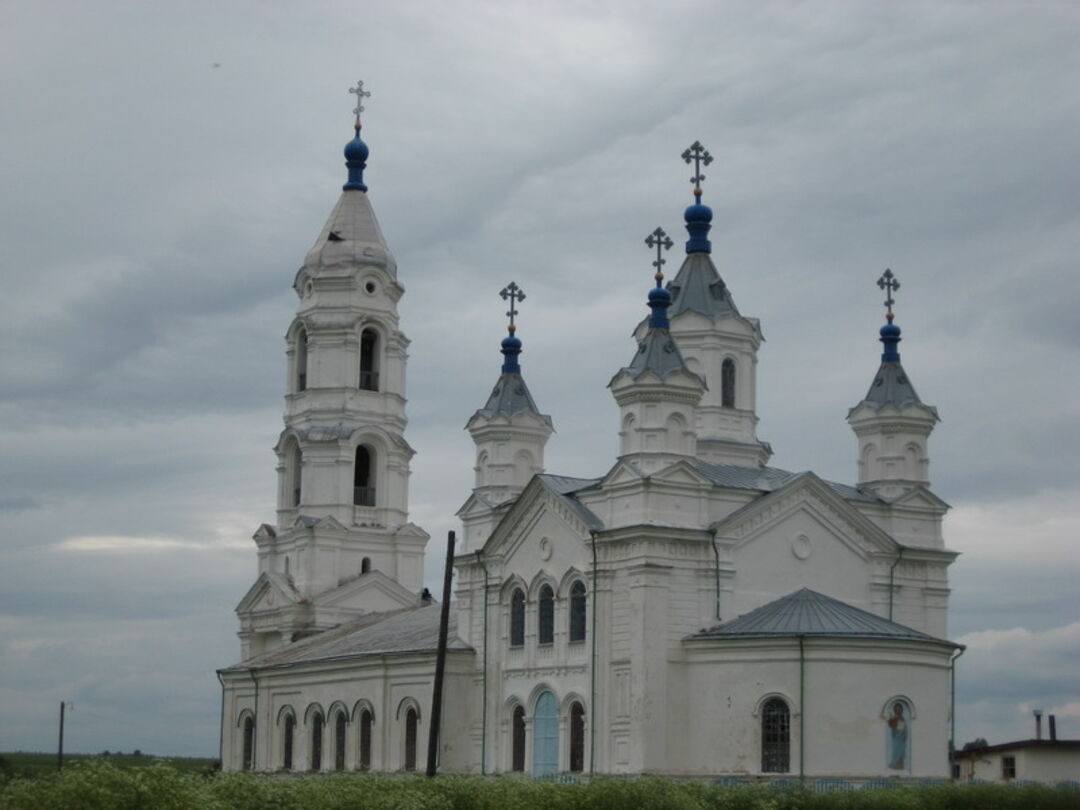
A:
(801, 547)
(545, 548)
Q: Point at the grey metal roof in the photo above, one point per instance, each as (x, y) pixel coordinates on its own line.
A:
(892, 386)
(768, 479)
(414, 629)
(511, 396)
(659, 354)
(564, 486)
(809, 613)
(351, 235)
(698, 287)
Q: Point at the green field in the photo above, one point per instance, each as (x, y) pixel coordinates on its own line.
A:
(34, 764)
(99, 784)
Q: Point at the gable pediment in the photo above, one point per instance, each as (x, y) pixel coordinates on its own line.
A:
(681, 472)
(533, 505)
(921, 498)
(269, 592)
(807, 496)
(370, 592)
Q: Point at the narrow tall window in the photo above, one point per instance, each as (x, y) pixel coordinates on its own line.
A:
(339, 742)
(365, 565)
(518, 732)
(369, 360)
(287, 743)
(577, 611)
(301, 360)
(363, 478)
(249, 743)
(517, 618)
(297, 473)
(365, 739)
(775, 737)
(410, 739)
(316, 741)
(546, 616)
(577, 737)
(727, 383)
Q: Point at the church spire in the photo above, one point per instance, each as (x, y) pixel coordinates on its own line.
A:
(356, 151)
(511, 345)
(891, 422)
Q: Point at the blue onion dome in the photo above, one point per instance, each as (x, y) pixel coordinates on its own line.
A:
(659, 301)
(356, 155)
(511, 348)
(698, 221)
(890, 337)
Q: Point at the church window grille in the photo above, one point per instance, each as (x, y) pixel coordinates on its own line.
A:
(518, 732)
(369, 360)
(578, 611)
(410, 739)
(364, 477)
(316, 742)
(365, 739)
(287, 743)
(577, 737)
(546, 616)
(517, 618)
(339, 741)
(249, 743)
(727, 383)
(301, 361)
(775, 737)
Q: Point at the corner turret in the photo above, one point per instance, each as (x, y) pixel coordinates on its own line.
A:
(891, 423)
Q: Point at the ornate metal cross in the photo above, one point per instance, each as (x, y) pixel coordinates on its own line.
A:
(699, 155)
(516, 296)
(360, 94)
(661, 241)
(888, 283)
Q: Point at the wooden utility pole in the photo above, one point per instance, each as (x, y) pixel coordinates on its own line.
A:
(60, 746)
(440, 660)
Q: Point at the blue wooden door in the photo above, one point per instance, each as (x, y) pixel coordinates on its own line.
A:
(545, 735)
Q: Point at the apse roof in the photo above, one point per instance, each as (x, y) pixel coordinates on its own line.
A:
(809, 613)
(410, 630)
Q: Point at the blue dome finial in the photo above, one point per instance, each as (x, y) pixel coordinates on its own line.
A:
(698, 216)
(890, 332)
(659, 298)
(356, 151)
(511, 345)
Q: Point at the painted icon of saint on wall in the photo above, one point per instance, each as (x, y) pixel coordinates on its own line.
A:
(898, 738)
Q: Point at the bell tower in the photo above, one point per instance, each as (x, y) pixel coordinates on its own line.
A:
(343, 544)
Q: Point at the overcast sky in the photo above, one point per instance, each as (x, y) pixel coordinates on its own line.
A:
(166, 166)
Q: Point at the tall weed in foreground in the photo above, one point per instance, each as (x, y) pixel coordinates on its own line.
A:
(99, 785)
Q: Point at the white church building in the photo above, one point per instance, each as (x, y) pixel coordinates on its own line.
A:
(692, 612)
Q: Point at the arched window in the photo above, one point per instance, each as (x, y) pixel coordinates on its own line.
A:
(296, 468)
(287, 742)
(577, 611)
(411, 720)
(339, 741)
(365, 565)
(517, 618)
(316, 741)
(301, 360)
(727, 383)
(577, 737)
(249, 743)
(518, 733)
(369, 360)
(775, 736)
(364, 477)
(546, 616)
(365, 739)
(545, 735)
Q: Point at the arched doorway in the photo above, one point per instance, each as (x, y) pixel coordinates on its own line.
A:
(545, 735)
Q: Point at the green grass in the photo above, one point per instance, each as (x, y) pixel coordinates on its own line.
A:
(33, 764)
(98, 784)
